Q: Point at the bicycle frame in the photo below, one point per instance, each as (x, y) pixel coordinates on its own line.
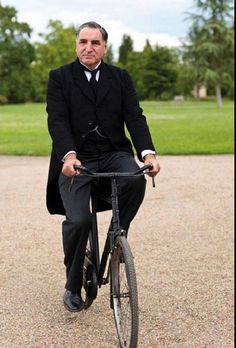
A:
(116, 228)
(111, 234)
(118, 256)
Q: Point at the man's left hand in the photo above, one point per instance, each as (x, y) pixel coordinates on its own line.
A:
(152, 159)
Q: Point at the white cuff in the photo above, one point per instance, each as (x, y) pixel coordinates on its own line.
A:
(63, 159)
(147, 152)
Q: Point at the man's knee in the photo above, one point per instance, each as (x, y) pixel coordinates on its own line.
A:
(79, 222)
(135, 182)
(134, 186)
(82, 221)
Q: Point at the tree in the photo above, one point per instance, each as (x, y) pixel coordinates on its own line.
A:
(57, 48)
(109, 57)
(154, 72)
(195, 62)
(210, 47)
(16, 55)
(125, 49)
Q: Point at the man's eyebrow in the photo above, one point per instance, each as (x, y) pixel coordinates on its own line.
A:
(93, 41)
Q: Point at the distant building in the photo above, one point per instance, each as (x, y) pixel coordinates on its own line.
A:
(200, 92)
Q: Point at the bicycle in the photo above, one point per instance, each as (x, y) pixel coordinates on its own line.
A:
(116, 264)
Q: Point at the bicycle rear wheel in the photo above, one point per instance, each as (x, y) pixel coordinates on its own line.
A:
(124, 294)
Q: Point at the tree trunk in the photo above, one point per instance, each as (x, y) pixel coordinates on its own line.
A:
(218, 96)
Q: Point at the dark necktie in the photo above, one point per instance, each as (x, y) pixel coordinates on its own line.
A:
(93, 82)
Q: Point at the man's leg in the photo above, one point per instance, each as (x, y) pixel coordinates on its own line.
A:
(131, 190)
(75, 228)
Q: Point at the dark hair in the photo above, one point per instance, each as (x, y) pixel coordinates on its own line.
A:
(93, 25)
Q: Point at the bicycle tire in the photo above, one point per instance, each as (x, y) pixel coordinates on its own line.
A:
(124, 294)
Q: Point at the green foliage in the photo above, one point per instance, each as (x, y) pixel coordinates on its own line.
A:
(10, 28)
(176, 128)
(210, 49)
(57, 48)
(125, 49)
(159, 73)
(58, 45)
(109, 58)
(154, 72)
(16, 55)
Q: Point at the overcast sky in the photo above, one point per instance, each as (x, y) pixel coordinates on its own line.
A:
(160, 21)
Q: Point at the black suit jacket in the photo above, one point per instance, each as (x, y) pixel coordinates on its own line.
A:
(72, 109)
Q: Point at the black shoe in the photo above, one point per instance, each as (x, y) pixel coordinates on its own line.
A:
(73, 301)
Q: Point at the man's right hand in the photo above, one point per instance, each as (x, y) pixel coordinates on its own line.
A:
(68, 166)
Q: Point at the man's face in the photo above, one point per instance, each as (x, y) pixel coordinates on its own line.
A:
(90, 47)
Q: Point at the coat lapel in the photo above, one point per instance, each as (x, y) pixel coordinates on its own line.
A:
(104, 83)
(80, 79)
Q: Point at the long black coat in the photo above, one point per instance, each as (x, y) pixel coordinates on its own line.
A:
(72, 110)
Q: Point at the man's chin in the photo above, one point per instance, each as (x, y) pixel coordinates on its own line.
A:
(88, 62)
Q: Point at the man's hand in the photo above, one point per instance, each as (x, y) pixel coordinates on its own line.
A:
(152, 159)
(68, 166)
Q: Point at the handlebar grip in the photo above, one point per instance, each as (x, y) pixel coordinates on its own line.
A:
(147, 166)
(83, 169)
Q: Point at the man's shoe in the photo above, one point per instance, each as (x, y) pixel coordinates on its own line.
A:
(73, 301)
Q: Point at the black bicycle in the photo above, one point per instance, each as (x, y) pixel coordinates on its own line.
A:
(116, 265)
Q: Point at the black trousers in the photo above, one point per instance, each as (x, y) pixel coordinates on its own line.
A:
(76, 201)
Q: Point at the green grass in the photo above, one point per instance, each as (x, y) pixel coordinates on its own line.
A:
(191, 127)
(176, 127)
(23, 130)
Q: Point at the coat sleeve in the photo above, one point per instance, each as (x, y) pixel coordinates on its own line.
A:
(134, 118)
(58, 115)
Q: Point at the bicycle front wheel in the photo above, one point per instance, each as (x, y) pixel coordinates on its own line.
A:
(124, 294)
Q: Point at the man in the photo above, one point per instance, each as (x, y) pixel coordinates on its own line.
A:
(88, 105)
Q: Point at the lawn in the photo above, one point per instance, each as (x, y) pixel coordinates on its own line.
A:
(23, 130)
(191, 127)
(176, 127)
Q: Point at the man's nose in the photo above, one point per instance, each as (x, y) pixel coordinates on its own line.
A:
(88, 46)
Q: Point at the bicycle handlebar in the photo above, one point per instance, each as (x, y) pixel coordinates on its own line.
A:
(88, 172)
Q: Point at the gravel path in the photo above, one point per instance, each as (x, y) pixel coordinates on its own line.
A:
(182, 240)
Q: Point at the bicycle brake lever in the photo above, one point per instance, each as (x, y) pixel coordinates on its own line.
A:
(153, 181)
(83, 169)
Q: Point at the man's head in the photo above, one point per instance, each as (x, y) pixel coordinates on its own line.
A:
(91, 44)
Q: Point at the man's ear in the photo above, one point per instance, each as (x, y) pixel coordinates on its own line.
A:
(105, 50)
